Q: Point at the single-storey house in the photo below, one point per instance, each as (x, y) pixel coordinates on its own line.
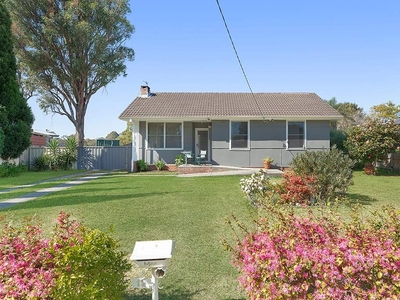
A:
(234, 129)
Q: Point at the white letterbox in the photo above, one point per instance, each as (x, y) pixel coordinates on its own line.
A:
(153, 254)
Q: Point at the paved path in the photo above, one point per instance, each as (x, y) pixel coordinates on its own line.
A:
(43, 192)
(234, 171)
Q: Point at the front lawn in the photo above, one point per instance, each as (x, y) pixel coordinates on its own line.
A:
(191, 211)
(33, 177)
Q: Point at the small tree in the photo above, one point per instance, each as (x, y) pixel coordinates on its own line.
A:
(16, 117)
(385, 111)
(125, 137)
(373, 141)
(113, 135)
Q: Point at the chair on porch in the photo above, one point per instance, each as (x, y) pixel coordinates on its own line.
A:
(200, 159)
(188, 158)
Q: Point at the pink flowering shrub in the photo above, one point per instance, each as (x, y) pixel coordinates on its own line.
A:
(26, 266)
(74, 263)
(311, 257)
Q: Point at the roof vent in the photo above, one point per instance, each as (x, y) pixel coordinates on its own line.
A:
(144, 91)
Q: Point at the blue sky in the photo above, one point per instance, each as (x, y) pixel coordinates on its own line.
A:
(344, 49)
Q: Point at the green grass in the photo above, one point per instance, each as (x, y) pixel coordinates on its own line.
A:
(191, 211)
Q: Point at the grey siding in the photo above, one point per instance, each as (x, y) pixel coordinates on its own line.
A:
(267, 138)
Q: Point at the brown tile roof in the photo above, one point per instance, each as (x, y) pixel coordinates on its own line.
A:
(213, 105)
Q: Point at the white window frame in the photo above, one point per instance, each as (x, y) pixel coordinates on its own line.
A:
(305, 135)
(164, 135)
(248, 134)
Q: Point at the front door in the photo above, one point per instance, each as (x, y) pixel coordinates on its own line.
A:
(202, 141)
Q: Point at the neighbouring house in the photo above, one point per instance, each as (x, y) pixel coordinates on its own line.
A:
(41, 138)
(234, 129)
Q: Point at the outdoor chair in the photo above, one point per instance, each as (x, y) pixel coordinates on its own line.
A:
(202, 157)
(189, 158)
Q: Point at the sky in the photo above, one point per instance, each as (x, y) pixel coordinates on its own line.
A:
(348, 49)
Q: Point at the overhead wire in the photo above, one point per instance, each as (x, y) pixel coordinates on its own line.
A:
(240, 62)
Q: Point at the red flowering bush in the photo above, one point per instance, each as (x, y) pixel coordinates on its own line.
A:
(296, 189)
(293, 257)
(74, 263)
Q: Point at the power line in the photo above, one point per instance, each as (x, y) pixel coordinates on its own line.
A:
(240, 63)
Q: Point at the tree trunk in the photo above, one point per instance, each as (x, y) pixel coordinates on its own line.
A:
(80, 133)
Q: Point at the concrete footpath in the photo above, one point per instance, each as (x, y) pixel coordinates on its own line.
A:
(31, 196)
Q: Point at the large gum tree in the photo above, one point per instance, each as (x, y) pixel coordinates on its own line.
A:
(71, 49)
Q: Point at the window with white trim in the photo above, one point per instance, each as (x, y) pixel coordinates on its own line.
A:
(164, 135)
(239, 135)
(296, 135)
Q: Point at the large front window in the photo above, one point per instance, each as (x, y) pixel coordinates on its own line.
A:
(296, 135)
(239, 135)
(165, 135)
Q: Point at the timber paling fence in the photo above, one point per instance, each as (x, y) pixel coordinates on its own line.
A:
(89, 157)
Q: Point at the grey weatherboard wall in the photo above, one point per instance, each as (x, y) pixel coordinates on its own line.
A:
(267, 138)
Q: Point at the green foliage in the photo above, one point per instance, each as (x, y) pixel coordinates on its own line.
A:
(54, 153)
(16, 117)
(160, 165)
(179, 160)
(331, 171)
(113, 135)
(62, 158)
(67, 157)
(11, 169)
(142, 165)
(373, 141)
(2, 137)
(386, 111)
(42, 163)
(88, 263)
(125, 137)
(337, 138)
(71, 49)
(351, 112)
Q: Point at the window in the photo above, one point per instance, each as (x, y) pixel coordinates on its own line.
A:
(173, 135)
(164, 135)
(239, 135)
(296, 135)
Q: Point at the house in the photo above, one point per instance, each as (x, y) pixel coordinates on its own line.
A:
(41, 138)
(235, 129)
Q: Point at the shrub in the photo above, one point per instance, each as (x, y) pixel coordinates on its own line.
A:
(42, 163)
(297, 190)
(142, 165)
(11, 169)
(331, 171)
(258, 188)
(88, 263)
(74, 263)
(373, 141)
(321, 257)
(27, 268)
(337, 138)
(179, 160)
(160, 165)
